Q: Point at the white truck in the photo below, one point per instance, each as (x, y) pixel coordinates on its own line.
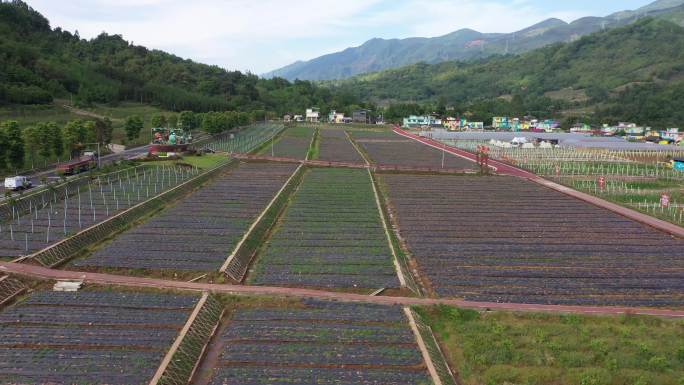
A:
(17, 183)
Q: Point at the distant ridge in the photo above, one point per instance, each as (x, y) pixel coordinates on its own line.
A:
(465, 44)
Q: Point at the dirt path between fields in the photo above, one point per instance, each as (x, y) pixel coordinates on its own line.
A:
(111, 279)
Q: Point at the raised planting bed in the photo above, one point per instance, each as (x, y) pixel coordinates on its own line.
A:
(503, 239)
(330, 236)
(94, 337)
(389, 149)
(318, 343)
(334, 146)
(199, 232)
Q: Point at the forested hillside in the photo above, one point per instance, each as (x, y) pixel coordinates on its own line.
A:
(631, 73)
(39, 64)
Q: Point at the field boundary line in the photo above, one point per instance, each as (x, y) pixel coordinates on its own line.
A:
(312, 143)
(45, 273)
(356, 147)
(397, 267)
(244, 238)
(169, 355)
(423, 349)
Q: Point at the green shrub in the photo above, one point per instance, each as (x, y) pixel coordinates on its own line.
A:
(594, 376)
(658, 363)
(500, 374)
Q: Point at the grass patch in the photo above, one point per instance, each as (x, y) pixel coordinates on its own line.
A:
(314, 149)
(511, 348)
(205, 162)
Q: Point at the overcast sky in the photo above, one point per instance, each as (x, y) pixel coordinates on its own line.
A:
(262, 35)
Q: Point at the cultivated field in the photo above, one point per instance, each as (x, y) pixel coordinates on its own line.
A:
(317, 342)
(331, 235)
(55, 214)
(503, 239)
(106, 337)
(200, 231)
(388, 148)
(334, 146)
(293, 143)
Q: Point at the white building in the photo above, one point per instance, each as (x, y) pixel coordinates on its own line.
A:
(336, 117)
(313, 115)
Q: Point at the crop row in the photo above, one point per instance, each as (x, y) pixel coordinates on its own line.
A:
(504, 239)
(106, 337)
(74, 366)
(317, 376)
(53, 219)
(329, 201)
(334, 146)
(294, 143)
(114, 299)
(387, 148)
(319, 343)
(199, 232)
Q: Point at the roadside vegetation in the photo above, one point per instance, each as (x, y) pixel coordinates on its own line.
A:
(515, 348)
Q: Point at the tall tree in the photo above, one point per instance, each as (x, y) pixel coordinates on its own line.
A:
(31, 136)
(133, 126)
(56, 139)
(158, 120)
(15, 144)
(187, 120)
(45, 141)
(3, 148)
(74, 135)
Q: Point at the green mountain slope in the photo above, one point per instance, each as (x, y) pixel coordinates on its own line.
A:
(39, 64)
(606, 72)
(379, 54)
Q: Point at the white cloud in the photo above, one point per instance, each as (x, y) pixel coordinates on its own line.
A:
(260, 35)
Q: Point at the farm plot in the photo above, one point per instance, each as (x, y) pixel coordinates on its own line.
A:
(318, 343)
(331, 235)
(334, 146)
(386, 148)
(294, 143)
(94, 337)
(507, 240)
(54, 216)
(199, 232)
(244, 141)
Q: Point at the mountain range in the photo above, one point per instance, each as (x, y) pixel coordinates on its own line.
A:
(465, 44)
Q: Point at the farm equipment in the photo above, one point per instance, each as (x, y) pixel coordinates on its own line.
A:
(169, 141)
(81, 164)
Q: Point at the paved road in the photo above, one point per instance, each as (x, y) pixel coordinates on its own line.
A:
(51, 174)
(112, 279)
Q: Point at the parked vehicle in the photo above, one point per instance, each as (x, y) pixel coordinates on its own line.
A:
(17, 183)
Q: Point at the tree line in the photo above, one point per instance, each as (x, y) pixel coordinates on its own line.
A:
(41, 64)
(48, 140)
